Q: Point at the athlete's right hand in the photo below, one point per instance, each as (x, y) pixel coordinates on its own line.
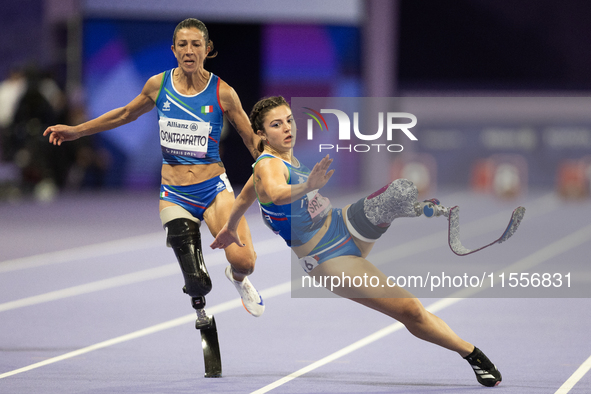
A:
(226, 238)
(60, 133)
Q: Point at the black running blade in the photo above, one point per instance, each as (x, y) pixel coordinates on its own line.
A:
(211, 351)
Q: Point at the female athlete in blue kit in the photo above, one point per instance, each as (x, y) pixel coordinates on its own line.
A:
(191, 103)
(334, 242)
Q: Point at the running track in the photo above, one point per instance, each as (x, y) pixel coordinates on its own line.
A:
(91, 302)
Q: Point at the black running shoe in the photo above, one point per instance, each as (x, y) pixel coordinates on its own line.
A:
(486, 373)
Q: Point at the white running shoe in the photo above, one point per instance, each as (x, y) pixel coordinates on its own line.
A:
(251, 299)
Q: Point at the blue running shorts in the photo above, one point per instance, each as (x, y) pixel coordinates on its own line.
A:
(336, 242)
(196, 198)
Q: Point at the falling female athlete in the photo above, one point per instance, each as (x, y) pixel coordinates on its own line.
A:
(334, 242)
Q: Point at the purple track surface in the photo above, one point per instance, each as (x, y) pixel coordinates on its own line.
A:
(91, 302)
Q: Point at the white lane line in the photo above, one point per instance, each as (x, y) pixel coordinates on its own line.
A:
(575, 377)
(564, 244)
(213, 259)
(433, 308)
(556, 248)
(223, 307)
(548, 252)
(121, 280)
(109, 248)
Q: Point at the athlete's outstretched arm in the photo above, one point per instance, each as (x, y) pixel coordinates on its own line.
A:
(143, 103)
(238, 118)
(229, 233)
(272, 176)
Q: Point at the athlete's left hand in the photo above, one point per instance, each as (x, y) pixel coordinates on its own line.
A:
(320, 175)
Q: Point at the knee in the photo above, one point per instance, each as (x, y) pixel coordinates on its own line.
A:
(243, 263)
(412, 312)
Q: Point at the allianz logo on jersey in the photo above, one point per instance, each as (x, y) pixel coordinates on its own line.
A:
(394, 122)
(192, 126)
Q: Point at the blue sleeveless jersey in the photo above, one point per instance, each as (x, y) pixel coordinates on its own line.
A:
(190, 126)
(294, 222)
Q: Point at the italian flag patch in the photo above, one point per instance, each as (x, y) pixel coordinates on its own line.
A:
(163, 194)
(206, 109)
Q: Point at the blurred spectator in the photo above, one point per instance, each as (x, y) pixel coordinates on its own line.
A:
(33, 112)
(90, 160)
(11, 91)
(29, 102)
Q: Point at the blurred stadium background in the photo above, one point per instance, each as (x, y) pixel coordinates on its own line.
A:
(529, 58)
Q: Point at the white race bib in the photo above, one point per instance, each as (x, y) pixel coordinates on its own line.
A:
(308, 263)
(184, 137)
(318, 206)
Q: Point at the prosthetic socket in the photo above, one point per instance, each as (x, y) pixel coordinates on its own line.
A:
(371, 216)
(184, 237)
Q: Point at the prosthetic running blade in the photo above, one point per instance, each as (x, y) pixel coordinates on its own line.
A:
(454, 231)
(211, 350)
